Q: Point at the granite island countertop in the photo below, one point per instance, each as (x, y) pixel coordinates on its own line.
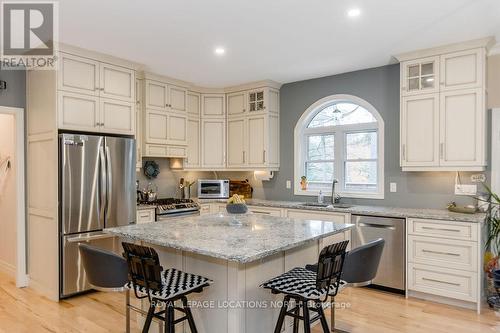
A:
(241, 238)
(398, 212)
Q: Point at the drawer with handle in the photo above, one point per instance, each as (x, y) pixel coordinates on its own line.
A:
(444, 282)
(443, 229)
(265, 210)
(455, 254)
(145, 215)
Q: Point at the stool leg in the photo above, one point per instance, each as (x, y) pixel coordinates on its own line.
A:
(169, 325)
(307, 320)
(296, 320)
(149, 318)
(332, 313)
(127, 311)
(281, 317)
(322, 318)
(189, 315)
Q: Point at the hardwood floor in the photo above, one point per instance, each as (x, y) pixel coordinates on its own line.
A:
(23, 310)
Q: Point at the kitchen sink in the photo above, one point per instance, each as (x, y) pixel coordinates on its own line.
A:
(324, 205)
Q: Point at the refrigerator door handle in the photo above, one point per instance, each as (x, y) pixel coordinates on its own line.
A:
(102, 183)
(109, 178)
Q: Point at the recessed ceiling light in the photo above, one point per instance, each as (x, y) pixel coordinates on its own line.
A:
(219, 51)
(354, 12)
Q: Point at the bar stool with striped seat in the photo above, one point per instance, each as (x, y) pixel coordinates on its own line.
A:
(305, 287)
(149, 280)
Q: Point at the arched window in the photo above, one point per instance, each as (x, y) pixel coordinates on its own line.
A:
(340, 137)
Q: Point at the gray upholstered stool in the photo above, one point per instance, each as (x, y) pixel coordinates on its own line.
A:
(360, 268)
(107, 272)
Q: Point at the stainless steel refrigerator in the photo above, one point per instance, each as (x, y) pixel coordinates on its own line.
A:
(96, 191)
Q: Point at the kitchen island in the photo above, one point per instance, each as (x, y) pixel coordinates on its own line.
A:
(238, 252)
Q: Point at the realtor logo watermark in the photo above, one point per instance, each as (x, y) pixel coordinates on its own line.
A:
(29, 35)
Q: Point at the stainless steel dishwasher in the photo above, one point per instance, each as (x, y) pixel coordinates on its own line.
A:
(391, 272)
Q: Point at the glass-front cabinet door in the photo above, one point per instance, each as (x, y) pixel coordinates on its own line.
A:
(420, 76)
(256, 100)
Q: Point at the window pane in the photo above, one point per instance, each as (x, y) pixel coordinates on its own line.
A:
(342, 114)
(319, 171)
(361, 176)
(320, 147)
(361, 145)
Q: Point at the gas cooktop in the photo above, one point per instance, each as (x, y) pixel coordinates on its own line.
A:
(173, 206)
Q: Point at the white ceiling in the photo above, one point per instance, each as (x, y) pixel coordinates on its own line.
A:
(281, 40)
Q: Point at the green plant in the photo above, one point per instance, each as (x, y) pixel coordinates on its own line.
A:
(492, 221)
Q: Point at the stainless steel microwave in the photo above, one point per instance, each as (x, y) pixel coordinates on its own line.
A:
(213, 189)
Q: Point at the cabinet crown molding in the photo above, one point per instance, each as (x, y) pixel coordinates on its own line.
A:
(102, 57)
(487, 43)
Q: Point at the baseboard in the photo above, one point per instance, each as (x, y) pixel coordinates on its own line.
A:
(53, 295)
(8, 269)
(443, 300)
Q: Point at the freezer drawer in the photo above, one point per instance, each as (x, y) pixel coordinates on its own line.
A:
(391, 271)
(73, 278)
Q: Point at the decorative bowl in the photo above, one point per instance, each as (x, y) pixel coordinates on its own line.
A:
(238, 208)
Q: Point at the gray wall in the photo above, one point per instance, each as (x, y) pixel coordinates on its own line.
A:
(380, 87)
(15, 94)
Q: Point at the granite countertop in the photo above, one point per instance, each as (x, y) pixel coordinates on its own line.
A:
(437, 214)
(241, 238)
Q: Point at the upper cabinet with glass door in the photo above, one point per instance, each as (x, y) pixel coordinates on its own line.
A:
(420, 76)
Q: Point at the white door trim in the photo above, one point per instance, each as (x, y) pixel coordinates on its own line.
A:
(495, 150)
(21, 269)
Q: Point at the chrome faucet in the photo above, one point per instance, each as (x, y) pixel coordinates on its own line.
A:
(335, 197)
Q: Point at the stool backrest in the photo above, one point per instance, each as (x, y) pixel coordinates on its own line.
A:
(143, 266)
(330, 264)
(361, 264)
(104, 269)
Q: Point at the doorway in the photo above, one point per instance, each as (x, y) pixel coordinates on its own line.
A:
(12, 195)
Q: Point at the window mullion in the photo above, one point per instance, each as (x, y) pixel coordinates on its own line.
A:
(339, 157)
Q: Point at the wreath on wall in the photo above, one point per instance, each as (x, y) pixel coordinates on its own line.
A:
(151, 169)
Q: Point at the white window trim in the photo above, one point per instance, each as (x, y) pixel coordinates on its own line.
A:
(300, 144)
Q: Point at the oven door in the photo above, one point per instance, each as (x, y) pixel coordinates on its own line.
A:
(214, 189)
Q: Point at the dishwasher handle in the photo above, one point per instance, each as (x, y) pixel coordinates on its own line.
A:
(373, 225)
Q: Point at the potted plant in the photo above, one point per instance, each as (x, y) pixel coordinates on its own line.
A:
(492, 246)
(303, 183)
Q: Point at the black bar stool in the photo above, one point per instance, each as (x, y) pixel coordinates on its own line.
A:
(149, 280)
(360, 268)
(106, 272)
(305, 287)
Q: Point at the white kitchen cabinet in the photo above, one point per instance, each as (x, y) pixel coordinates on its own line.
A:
(463, 128)
(78, 74)
(89, 113)
(236, 104)
(156, 95)
(462, 70)
(177, 99)
(213, 143)
(116, 82)
(213, 106)
(237, 142)
(145, 215)
(177, 129)
(443, 109)
(193, 104)
(193, 144)
(139, 103)
(78, 112)
(420, 76)
(420, 130)
(117, 117)
(156, 126)
(257, 139)
(444, 261)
